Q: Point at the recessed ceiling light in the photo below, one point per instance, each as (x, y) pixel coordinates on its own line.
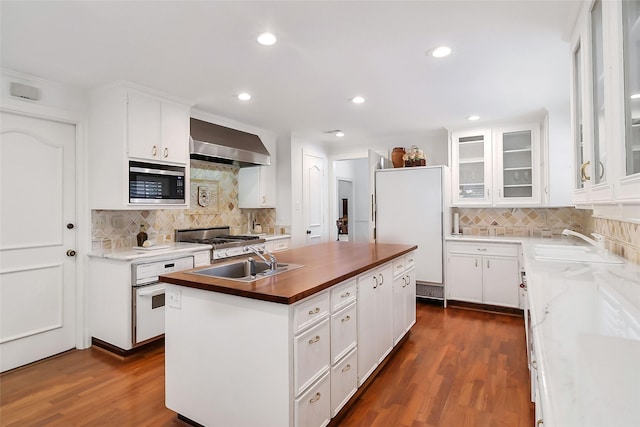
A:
(244, 96)
(635, 96)
(473, 118)
(267, 39)
(441, 52)
(339, 134)
(357, 100)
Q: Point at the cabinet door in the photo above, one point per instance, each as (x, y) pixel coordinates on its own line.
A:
(464, 281)
(256, 187)
(143, 126)
(501, 281)
(174, 133)
(367, 309)
(399, 309)
(517, 171)
(471, 160)
(344, 336)
(313, 408)
(384, 317)
(410, 299)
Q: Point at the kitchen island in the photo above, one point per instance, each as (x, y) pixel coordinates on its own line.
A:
(286, 350)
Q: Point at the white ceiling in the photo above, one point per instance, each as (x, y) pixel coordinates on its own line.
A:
(510, 58)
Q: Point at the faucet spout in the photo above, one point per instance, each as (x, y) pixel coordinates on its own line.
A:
(598, 242)
(272, 262)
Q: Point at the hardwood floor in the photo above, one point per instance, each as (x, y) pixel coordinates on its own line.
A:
(458, 368)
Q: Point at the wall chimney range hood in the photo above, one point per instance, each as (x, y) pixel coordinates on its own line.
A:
(218, 144)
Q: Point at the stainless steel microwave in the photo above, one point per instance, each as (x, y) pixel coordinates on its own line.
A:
(151, 183)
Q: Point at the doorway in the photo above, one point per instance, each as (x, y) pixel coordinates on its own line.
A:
(345, 208)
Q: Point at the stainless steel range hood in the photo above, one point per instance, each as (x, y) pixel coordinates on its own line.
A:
(219, 144)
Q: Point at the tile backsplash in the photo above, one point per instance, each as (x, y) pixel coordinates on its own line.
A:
(622, 237)
(533, 222)
(118, 228)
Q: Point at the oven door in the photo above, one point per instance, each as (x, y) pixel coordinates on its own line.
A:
(148, 311)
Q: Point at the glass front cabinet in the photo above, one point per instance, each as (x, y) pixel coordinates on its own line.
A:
(496, 166)
(605, 100)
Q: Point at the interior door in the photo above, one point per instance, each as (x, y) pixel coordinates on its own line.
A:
(313, 191)
(37, 239)
(376, 161)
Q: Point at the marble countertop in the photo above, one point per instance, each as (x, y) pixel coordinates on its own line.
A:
(168, 249)
(586, 330)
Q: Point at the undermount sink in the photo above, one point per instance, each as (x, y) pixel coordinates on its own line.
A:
(571, 253)
(241, 271)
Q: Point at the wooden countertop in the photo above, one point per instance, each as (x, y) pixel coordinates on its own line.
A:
(326, 264)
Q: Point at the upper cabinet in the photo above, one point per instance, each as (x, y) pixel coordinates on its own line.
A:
(256, 187)
(606, 103)
(157, 129)
(131, 123)
(497, 167)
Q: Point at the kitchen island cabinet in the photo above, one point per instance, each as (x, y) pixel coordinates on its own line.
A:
(261, 353)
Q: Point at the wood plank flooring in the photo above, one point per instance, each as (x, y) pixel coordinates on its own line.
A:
(458, 368)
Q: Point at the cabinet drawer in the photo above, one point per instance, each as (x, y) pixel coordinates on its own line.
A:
(344, 381)
(343, 295)
(280, 245)
(409, 260)
(310, 311)
(500, 249)
(344, 332)
(202, 258)
(311, 354)
(398, 266)
(313, 408)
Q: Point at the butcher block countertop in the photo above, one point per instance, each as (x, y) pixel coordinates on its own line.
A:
(325, 265)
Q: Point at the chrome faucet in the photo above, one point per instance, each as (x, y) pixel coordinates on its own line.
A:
(272, 262)
(598, 242)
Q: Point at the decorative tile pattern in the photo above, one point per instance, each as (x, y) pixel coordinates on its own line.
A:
(118, 229)
(623, 238)
(534, 222)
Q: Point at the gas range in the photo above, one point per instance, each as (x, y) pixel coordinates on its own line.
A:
(224, 244)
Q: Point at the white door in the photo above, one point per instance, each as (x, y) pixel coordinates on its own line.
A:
(312, 193)
(37, 207)
(375, 163)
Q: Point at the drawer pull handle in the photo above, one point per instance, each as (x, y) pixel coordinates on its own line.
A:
(154, 151)
(381, 279)
(346, 319)
(346, 368)
(315, 398)
(482, 249)
(166, 152)
(540, 423)
(314, 340)
(410, 259)
(399, 267)
(316, 311)
(534, 365)
(345, 295)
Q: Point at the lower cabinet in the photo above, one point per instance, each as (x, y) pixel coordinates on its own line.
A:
(404, 297)
(294, 365)
(485, 273)
(375, 319)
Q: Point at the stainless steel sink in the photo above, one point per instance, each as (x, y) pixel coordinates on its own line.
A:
(241, 271)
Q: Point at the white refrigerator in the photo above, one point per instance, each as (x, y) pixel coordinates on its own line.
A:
(411, 209)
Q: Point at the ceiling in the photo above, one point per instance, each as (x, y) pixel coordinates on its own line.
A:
(510, 58)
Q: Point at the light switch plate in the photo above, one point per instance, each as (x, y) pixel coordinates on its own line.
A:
(175, 298)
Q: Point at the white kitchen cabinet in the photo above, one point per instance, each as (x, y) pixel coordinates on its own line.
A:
(311, 354)
(313, 408)
(344, 334)
(158, 130)
(605, 112)
(276, 245)
(257, 187)
(344, 381)
(129, 122)
(497, 167)
(404, 298)
(483, 273)
(471, 168)
(375, 319)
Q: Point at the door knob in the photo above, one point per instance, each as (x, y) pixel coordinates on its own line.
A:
(71, 252)
(70, 226)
